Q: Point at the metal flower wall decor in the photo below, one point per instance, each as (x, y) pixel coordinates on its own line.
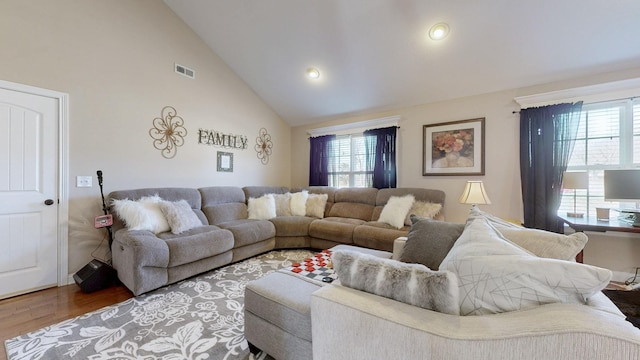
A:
(263, 146)
(168, 132)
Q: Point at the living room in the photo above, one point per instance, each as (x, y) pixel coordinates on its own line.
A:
(115, 60)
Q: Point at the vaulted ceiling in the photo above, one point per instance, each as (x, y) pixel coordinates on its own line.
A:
(376, 55)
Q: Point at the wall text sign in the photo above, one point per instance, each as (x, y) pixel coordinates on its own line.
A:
(216, 138)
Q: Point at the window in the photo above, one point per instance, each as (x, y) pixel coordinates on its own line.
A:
(347, 162)
(608, 138)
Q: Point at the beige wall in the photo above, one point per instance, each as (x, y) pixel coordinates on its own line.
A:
(502, 172)
(115, 60)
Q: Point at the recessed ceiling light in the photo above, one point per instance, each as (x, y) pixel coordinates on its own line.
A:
(439, 31)
(313, 73)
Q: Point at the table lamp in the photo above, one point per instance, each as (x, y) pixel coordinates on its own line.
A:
(474, 194)
(575, 180)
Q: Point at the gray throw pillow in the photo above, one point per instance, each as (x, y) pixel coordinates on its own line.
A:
(429, 241)
(413, 284)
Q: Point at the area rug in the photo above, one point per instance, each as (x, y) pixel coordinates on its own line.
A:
(198, 318)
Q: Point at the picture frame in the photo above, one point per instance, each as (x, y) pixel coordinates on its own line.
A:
(453, 148)
(225, 161)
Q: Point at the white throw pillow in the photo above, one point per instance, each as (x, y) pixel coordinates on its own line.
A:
(423, 209)
(539, 242)
(262, 208)
(495, 275)
(298, 203)
(180, 216)
(143, 214)
(396, 209)
(316, 203)
(283, 207)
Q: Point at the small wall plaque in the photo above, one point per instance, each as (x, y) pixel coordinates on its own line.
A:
(225, 161)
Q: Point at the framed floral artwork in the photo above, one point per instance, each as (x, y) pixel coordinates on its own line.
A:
(454, 148)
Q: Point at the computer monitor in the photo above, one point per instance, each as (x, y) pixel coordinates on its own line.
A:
(622, 185)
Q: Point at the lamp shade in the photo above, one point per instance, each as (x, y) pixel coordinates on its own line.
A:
(474, 193)
(575, 180)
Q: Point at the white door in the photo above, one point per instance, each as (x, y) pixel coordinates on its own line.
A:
(28, 192)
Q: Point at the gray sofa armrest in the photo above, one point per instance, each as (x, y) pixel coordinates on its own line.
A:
(340, 315)
(141, 260)
(147, 249)
(398, 247)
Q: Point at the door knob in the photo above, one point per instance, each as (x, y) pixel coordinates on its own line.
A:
(48, 202)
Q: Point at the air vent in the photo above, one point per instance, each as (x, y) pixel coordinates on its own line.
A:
(183, 70)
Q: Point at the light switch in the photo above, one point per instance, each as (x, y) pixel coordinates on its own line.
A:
(84, 181)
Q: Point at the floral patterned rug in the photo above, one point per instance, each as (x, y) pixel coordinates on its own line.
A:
(198, 318)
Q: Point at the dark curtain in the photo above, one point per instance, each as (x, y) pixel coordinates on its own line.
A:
(319, 160)
(381, 156)
(547, 135)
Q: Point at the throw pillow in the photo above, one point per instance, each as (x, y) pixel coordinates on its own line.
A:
(495, 275)
(409, 283)
(283, 207)
(262, 208)
(316, 203)
(180, 216)
(423, 209)
(298, 203)
(429, 241)
(143, 214)
(396, 209)
(539, 242)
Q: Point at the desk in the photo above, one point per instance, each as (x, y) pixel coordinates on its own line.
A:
(593, 224)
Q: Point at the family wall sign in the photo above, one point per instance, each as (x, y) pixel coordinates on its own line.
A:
(220, 139)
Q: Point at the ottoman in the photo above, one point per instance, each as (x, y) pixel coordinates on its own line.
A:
(277, 314)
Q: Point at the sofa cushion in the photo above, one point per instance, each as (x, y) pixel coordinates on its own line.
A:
(539, 242)
(249, 231)
(413, 284)
(496, 275)
(336, 229)
(429, 241)
(207, 242)
(179, 216)
(357, 203)
(258, 191)
(396, 210)
(292, 225)
(222, 213)
(222, 204)
(377, 235)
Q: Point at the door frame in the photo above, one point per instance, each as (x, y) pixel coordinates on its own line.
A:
(62, 171)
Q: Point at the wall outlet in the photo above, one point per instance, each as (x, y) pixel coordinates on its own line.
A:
(84, 181)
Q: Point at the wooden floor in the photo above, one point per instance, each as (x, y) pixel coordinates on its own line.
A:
(26, 313)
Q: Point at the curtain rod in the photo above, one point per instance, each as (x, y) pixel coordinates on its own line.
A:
(398, 127)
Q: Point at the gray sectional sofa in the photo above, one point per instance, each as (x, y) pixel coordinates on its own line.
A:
(146, 261)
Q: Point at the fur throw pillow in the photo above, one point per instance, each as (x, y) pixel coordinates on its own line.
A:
(180, 216)
(396, 209)
(298, 203)
(316, 203)
(143, 214)
(413, 284)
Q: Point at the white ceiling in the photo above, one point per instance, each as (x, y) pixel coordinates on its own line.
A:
(376, 55)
